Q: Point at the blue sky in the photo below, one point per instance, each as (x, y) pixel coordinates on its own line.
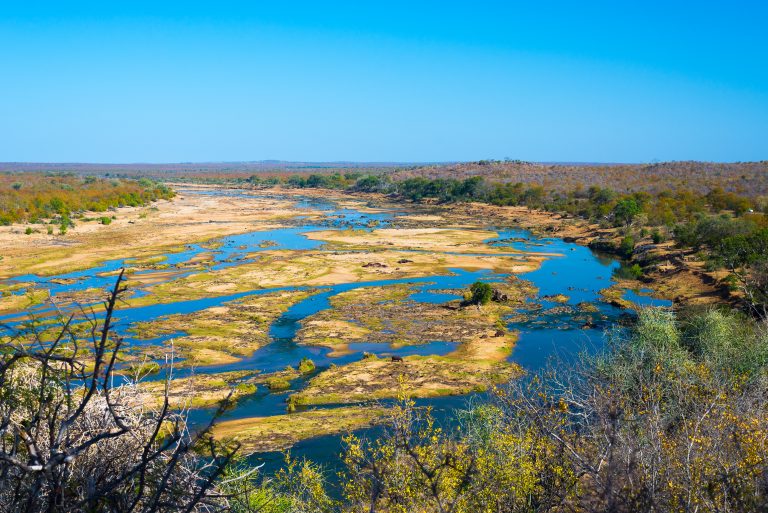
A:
(135, 81)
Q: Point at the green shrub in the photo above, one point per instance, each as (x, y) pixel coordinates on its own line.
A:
(627, 246)
(306, 365)
(278, 383)
(711, 230)
(625, 210)
(726, 341)
(657, 328)
(480, 293)
(64, 223)
(628, 272)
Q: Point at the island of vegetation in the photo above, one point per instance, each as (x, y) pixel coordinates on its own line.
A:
(468, 337)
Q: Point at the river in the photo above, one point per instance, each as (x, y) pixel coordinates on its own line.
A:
(546, 330)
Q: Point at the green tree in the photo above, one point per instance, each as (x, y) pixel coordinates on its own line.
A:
(625, 210)
(746, 256)
(306, 365)
(481, 293)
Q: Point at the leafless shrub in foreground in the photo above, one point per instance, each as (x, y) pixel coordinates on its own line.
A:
(69, 441)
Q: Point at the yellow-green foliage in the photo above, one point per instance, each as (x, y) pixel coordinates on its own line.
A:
(417, 466)
(301, 487)
(278, 383)
(306, 366)
(36, 196)
(672, 417)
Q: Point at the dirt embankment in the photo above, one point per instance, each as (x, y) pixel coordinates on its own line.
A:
(673, 273)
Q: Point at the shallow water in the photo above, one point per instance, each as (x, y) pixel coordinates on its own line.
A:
(225, 251)
(546, 328)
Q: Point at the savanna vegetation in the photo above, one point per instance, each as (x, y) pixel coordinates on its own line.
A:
(671, 416)
(38, 197)
(743, 178)
(725, 228)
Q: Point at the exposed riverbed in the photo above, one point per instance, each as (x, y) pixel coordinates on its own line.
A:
(335, 284)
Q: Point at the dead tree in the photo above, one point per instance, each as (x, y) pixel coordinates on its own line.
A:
(71, 441)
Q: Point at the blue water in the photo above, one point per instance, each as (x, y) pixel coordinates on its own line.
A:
(547, 329)
(225, 252)
(283, 350)
(643, 298)
(579, 273)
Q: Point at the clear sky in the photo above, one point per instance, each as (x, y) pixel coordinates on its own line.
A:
(165, 81)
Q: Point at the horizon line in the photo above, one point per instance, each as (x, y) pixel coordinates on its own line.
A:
(382, 163)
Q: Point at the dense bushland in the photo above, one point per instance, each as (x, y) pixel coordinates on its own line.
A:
(743, 178)
(34, 197)
(665, 207)
(670, 416)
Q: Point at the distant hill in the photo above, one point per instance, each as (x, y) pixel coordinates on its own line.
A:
(185, 167)
(746, 178)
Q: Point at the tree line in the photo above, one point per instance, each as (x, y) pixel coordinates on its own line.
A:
(36, 197)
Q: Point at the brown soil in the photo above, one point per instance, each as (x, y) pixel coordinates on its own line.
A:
(375, 378)
(140, 232)
(384, 315)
